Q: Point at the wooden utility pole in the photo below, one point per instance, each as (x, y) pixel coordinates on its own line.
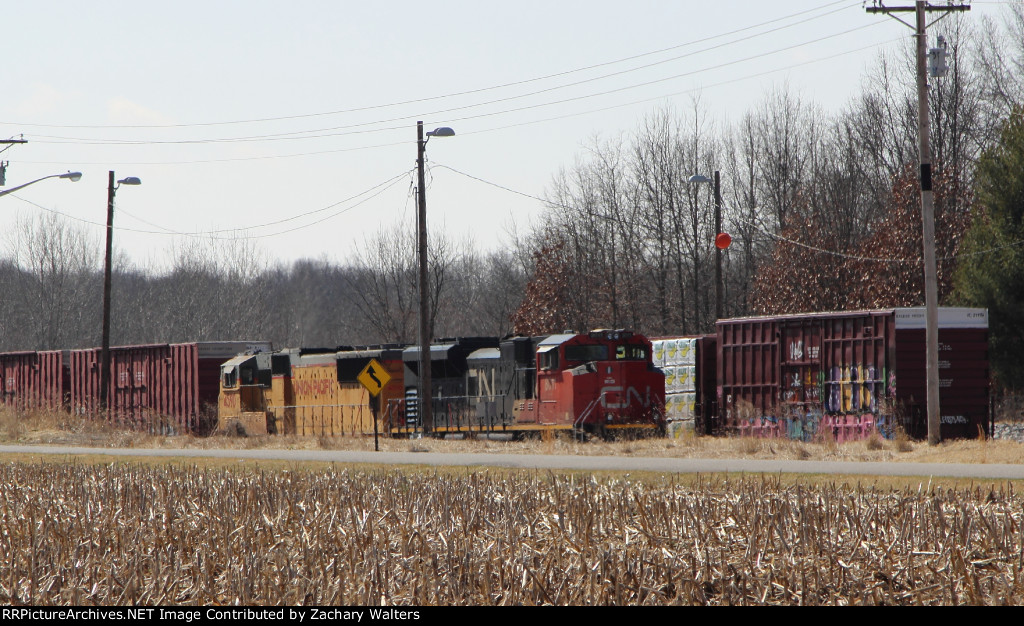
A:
(931, 289)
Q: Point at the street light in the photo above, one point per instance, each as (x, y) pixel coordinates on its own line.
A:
(72, 176)
(425, 411)
(105, 351)
(720, 240)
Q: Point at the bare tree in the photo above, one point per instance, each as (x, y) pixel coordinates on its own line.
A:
(57, 263)
(386, 281)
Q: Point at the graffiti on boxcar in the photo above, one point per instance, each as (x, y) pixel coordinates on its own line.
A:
(854, 389)
(796, 351)
(811, 426)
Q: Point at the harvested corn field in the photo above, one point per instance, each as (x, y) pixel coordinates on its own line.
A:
(126, 534)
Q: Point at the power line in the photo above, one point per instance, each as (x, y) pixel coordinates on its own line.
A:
(758, 226)
(530, 122)
(472, 91)
(214, 234)
(348, 129)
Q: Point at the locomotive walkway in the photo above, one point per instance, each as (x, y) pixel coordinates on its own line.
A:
(560, 462)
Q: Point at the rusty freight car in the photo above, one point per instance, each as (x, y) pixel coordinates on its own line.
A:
(33, 380)
(849, 374)
(168, 388)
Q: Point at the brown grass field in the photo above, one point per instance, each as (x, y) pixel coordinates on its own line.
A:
(84, 532)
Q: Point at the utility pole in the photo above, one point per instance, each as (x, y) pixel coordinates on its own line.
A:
(718, 249)
(931, 289)
(424, 401)
(4, 164)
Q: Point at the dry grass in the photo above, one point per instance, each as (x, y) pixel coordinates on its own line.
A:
(902, 441)
(875, 442)
(133, 535)
(62, 429)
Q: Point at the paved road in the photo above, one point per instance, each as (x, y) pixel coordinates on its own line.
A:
(541, 461)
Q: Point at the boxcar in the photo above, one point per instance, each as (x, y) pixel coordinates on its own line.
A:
(157, 387)
(33, 380)
(850, 373)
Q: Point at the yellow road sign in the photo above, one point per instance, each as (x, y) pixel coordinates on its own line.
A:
(374, 377)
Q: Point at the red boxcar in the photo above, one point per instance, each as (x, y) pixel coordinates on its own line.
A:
(850, 372)
(157, 387)
(32, 380)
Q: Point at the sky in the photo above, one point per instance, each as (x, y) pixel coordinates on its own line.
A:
(293, 125)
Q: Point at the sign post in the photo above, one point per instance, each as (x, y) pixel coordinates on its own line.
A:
(374, 377)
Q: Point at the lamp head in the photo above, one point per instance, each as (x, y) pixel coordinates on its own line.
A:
(443, 131)
(72, 176)
(131, 180)
(699, 178)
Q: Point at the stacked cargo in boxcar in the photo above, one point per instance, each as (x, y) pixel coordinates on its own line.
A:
(849, 374)
(33, 380)
(689, 364)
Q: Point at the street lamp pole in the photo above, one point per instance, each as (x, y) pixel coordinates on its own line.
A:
(72, 176)
(105, 350)
(425, 393)
(424, 411)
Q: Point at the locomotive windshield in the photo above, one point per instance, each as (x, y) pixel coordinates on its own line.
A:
(586, 353)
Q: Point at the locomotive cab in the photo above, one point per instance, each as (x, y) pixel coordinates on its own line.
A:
(595, 382)
(242, 401)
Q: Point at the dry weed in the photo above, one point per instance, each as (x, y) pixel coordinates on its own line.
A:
(828, 441)
(875, 441)
(749, 445)
(901, 441)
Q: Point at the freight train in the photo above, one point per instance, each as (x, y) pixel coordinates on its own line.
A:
(843, 375)
(601, 382)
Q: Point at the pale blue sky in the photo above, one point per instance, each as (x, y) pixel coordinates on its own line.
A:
(145, 88)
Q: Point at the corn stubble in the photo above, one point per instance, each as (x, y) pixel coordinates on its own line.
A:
(118, 534)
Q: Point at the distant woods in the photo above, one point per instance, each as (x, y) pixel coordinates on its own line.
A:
(821, 205)
(52, 281)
